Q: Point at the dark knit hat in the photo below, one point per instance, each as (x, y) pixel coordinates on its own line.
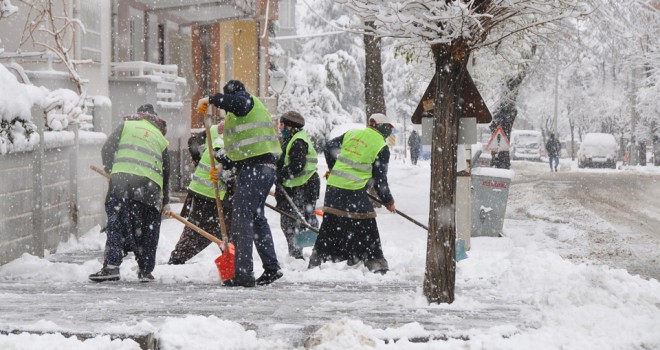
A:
(233, 86)
(293, 119)
(147, 108)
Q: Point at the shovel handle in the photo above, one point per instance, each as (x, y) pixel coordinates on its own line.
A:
(100, 171)
(400, 213)
(197, 229)
(218, 203)
(304, 223)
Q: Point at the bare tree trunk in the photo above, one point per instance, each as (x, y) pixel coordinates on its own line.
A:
(373, 75)
(440, 276)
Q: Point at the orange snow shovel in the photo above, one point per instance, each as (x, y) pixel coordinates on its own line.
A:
(225, 262)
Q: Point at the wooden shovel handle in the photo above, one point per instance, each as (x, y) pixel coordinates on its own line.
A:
(100, 171)
(196, 228)
(218, 203)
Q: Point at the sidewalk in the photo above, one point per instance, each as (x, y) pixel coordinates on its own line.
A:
(287, 311)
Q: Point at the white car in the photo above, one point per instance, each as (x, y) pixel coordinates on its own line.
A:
(526, 145)
(597, 150)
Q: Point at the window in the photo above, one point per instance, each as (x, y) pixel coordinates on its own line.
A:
(90, 17)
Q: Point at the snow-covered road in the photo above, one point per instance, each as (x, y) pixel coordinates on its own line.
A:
(613, 215)
(540, 286)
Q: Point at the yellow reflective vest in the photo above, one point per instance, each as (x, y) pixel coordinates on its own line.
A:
(140, 151)
(310, 165)
(354, 164)
(201, 180)
(251, 135)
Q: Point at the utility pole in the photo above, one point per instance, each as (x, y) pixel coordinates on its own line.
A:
(556, 112)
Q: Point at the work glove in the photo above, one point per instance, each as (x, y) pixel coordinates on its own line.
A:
(220, 153)
(166, 210)
(390, 206)
(203, 105)
(215, 174)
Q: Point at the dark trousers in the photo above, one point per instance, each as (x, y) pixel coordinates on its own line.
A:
(203, 212)
(249, 224)
(556, 161)
(132, 226)
(413, 157)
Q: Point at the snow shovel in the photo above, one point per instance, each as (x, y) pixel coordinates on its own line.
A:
(304, 238)
(377, 200)
(225, 265)
(225, 262)
(300, 240)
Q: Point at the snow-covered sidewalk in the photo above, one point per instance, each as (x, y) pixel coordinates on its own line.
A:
(508, 296)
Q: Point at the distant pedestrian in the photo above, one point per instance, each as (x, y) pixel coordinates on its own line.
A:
(137, 159)
(413, 142)
(296, 174)
(252, 148)
(200, 207)
(358, 160)
(553, 147)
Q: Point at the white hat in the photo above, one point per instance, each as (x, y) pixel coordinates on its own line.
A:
(380, 118)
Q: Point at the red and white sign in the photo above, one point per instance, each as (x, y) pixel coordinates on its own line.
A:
(498, 142)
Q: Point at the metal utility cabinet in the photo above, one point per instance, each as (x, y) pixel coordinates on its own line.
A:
(490, 192)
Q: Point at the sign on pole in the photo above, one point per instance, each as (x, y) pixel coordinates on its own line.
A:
(498, 142)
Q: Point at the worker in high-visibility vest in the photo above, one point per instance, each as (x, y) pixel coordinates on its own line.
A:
(136, 157)
(357, 160)
(296, 174)
(200, 207)
(251, 148)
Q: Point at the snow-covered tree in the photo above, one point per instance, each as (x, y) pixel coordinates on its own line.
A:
(454, 29)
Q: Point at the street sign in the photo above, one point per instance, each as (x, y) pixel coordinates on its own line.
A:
(472, 105)
(498, 142)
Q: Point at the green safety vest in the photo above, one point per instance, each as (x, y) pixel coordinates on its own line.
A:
(354, 163)
(310, 165)
(251, 135)
(201, 180)
(140, 151)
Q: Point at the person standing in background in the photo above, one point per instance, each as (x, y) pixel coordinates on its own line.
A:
(553, 147)
(414, 142)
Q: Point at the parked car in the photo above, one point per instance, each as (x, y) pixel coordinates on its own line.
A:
(597, 150)
(526, 145)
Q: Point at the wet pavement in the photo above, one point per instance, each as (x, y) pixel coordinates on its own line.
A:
(284, 310)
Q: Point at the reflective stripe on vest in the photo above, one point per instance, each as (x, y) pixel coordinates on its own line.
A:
(201, 180)
(310, 165)
(140, 150)
(354, 164)
(251, 135)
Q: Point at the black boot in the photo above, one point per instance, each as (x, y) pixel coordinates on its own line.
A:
(145, 276)
(106, 274)
(269, 276)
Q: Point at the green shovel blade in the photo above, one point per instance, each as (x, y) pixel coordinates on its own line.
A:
(305, 238)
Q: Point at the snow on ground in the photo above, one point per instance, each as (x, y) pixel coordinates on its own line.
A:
(571, 306)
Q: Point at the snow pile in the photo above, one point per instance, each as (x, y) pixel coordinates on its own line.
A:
(63, 106)
(202, 333)
(17, 132)
(26, 341)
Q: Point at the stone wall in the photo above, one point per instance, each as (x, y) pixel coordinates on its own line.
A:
(49, 193)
